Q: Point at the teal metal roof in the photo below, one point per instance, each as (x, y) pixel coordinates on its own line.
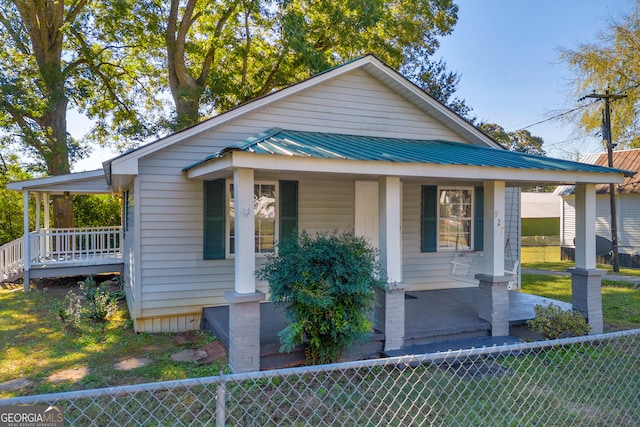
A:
(322, 145)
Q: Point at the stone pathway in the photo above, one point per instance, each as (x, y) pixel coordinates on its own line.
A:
(69, 375)
(132, 363)
(15, 385)
(209, 353)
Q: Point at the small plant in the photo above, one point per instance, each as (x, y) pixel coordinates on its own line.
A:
(70, 311)
(92, 301)
(99, 304)
(327, 285)
(554, 322)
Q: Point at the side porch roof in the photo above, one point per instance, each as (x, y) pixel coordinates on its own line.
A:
(89, 182)
(287, 150)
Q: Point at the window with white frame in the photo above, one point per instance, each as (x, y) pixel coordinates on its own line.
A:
(265, 217)
(455, 218)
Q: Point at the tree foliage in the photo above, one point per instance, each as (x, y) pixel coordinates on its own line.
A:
(434, 78)
(53, 58)
(520, 140)
(327, 285)
(97, 210)
(11, 203)
(610, 63)
(220, 54)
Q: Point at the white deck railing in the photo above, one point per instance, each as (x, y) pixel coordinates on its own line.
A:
(75, 244)
(11, 259)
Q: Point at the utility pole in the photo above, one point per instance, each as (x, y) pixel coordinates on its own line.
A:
(606, 136)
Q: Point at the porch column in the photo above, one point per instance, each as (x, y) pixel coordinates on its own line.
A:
(26, 255)
(390, 229)
(244, 301)
(586, 296)
(38, 207)
(493, 284)
(46, 248)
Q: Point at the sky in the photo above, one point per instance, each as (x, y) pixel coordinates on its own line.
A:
(507, 54)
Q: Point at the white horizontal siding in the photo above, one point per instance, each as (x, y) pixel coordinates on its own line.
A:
(629, 221)
(171, 225)
(627, 209)
(422, 271)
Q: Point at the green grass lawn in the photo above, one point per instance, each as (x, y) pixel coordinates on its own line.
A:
(548, 258)
(620, 300)
(33, 346)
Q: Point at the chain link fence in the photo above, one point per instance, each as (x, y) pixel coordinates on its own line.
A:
(586, 381)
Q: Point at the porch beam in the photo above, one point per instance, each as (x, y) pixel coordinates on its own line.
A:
(244, 229)
(244, 301)
(585, 226)
(38, 208)
(47, 214)
(586, 279)
(494, 227)
(390, 232)
(493, 288)
(26, 243)
(268, 162)
(390, 228)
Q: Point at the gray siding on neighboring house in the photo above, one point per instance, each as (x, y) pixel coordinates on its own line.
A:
(628, 212)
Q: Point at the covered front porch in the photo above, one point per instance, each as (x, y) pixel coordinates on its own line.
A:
(414, 183)
(44, 251)
(436, 320)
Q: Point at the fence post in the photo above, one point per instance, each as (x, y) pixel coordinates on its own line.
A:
(220, 402)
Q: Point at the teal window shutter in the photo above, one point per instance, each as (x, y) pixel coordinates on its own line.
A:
(478, 220)
(288, 209)
(429, 217)
(214, 219)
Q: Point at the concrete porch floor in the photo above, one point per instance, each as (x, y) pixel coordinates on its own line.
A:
(430, 317)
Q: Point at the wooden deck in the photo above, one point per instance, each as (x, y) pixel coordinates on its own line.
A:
(63, 252)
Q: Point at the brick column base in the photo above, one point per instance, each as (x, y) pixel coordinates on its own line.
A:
(493, 302)
(586, 296)
(390, 315)
(244, 331)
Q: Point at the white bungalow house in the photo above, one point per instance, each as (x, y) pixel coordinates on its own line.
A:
(627, 208)
(357, 146)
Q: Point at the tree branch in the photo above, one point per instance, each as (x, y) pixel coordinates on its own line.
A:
(210, 56)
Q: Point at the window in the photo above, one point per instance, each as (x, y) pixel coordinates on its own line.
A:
(452, 218)
(270, 218)
(264, 211)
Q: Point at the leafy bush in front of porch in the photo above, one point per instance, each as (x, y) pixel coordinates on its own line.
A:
(554, 322)
(327, 284)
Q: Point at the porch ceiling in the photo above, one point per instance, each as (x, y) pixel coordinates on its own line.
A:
(285, 150)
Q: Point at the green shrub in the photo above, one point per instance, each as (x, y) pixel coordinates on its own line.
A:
(99, 304)
(70, 311)
(554, 322)
(92, 302)
(327, 285)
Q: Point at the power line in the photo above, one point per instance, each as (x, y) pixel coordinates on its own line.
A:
(557, 116)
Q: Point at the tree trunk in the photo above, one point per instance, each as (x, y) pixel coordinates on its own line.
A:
(185, 89)
(44, 22)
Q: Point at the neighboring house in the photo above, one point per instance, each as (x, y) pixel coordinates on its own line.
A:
(358, 146)
(627, 208)
(540, 215)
